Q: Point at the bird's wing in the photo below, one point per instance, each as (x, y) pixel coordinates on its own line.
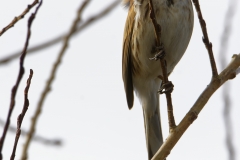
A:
(127, 57)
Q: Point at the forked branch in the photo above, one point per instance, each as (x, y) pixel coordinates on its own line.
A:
(16, 19)
(228, 73)
(20, 75)
(217, 81)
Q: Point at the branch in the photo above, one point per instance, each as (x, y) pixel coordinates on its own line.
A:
(20, 74)
(21, 116)
(37, 138)
(16, 19)
(167, 85)
(60, 38)
(205, 39)
(228, 73)
(51, 78)
(232, 8)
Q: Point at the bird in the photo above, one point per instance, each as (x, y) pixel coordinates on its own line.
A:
(142, 76)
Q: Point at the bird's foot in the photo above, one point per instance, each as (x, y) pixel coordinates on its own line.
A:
(160, 53)
(166, 88)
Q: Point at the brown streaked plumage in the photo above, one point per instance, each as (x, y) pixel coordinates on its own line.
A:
(127, 65)
(139, 73)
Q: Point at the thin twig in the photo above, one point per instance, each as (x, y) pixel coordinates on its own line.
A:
(205, 39)
(20, 74)
(60, 38)
(226, 88)
(51, 78)
(228, 73)
(160, 56)
(16, 19)
(37, 138)
(21, 116)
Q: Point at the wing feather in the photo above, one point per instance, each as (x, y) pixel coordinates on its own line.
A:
(127, 64)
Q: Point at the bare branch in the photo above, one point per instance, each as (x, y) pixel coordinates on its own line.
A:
(16, 19)
(51, 78)
(160, 56)
(228, 73)
(20, 74)
(205, 39)
(37, 138)
(21, 116)
(60, 38)
(226, 88)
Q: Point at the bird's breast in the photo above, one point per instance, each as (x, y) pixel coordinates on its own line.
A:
(176, 23)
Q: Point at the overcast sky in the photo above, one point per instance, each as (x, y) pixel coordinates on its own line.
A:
(87, 108)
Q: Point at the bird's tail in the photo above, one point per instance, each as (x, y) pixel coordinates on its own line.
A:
(153, 130)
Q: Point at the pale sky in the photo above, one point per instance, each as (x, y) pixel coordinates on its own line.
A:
(87, 108)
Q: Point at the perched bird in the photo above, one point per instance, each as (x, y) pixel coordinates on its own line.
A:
(139, 44)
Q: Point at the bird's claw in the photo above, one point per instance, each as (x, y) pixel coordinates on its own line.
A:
(166, 88)
(160, 53)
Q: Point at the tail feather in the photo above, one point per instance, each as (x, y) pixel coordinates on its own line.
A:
(153, 131)
(146, 91)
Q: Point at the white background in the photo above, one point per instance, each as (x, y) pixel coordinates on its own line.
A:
(87, 108)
